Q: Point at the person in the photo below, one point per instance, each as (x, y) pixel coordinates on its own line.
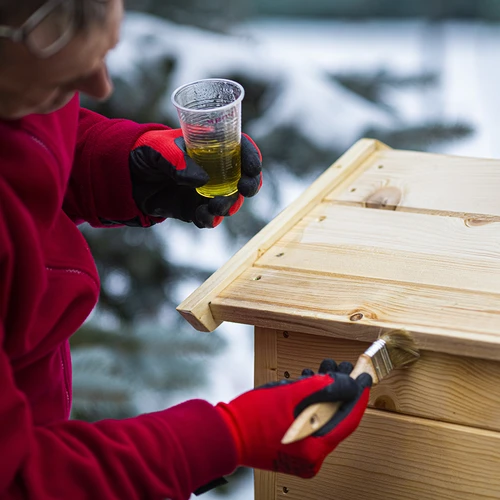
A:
(61, 165)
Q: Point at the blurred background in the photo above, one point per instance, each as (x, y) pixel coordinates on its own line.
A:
(318, 76)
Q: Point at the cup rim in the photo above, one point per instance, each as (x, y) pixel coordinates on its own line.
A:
(190, 110)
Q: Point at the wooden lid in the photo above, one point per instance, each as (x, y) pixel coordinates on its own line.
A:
(383, 239)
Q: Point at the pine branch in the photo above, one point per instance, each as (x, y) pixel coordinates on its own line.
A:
(421, 137)
(373, 87)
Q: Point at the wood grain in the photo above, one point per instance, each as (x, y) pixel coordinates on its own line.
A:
(444, 320)
(454, 389)
(266, 360)
(395, 457)
(196, 308)
(429, 182)
(265, 371)
(404, 247)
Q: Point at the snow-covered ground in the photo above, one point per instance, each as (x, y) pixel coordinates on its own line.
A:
(466, 55)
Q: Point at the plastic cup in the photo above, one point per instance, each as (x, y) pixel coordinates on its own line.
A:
(210, 116)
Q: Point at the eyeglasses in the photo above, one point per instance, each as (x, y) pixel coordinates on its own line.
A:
(48, 30)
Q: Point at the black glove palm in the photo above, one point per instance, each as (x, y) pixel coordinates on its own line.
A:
(165, 178)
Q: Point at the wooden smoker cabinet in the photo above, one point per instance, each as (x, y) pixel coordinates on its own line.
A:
(383, 239)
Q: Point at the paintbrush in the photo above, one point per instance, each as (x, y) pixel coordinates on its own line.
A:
(392, 350)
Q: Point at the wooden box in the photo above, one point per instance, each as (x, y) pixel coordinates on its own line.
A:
(383, 239)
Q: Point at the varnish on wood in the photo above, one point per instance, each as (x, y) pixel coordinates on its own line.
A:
(384, 239)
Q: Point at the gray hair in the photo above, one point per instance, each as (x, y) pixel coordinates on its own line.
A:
(88, 12)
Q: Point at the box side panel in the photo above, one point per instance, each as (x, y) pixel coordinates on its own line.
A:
(395, 457)
(454, 389)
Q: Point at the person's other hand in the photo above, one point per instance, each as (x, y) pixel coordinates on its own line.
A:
(165, 178)
(259, 419)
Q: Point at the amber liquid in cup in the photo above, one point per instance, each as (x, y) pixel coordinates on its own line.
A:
(210, 116)
(222, 162)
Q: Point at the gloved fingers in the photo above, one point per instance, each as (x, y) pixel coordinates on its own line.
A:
(225, 205)
(203, 219)
(192, 176)
(251, 157)
(221, 205)
(212, 213)
(345, 367)
(364, 380)
(327, 366)
(344, 389)
(236, 205)
(249, 186)
(187, 172)
(307, 372)
(160, 155)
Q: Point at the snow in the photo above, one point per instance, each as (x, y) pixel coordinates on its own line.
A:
(319, 105)
(295, 55)
(306, 97)
(464, 53)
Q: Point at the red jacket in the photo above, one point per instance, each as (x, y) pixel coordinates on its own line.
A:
(55, 171)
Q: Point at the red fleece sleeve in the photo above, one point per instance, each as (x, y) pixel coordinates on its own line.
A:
(168, 454)
(100, 187)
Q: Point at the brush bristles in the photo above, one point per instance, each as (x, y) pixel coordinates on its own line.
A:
(401, 347)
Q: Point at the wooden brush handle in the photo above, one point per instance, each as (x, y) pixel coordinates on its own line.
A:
(317, 415)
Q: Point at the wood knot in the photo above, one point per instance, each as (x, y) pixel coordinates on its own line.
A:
(477, 222)
(356, 317)
(385, 198)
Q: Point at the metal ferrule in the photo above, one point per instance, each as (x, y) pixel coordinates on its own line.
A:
(380, 358)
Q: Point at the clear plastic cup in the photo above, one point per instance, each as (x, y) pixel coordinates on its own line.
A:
(210, 117)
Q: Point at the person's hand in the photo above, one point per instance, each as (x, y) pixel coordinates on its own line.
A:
(259, 419)
(164, 179)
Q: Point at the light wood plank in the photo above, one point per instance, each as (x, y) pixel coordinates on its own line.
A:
(395, 457)
(196, 308)
(265, 371)
(266, 361)
(430, 182)
(453, 389)
(443, 320)
(405, 247)
(265, 485)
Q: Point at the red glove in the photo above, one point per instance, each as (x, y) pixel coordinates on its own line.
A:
(164, 179)
(259, 419)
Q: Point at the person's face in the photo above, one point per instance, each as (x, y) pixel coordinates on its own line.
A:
(32, 85)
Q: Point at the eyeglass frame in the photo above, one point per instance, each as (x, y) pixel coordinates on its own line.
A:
(21, 34)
